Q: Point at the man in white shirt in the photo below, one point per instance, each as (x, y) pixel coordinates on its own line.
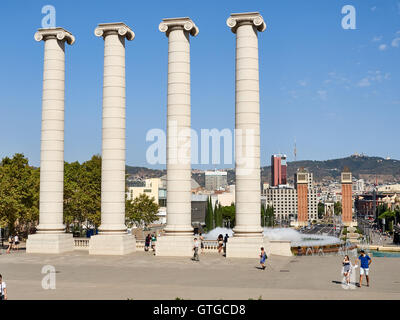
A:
(16, 242)
(196, 250)
(3, 289)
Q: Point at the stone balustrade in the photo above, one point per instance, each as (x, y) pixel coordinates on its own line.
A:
(81, 243)
(210, 246)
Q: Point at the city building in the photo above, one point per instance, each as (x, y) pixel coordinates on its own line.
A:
(228, 197)
(285, 199)
(278, 170)
(389, 188)
(199, 208)
(216, 180)
(149, 187)
(157, 188)
(359, 186)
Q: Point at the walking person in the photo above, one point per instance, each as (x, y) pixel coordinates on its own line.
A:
(10, 243)
(147, 242)
(263, 258)
(3, 289)
(201, 243)
(220, 243)
(346, 268)
(225, 242)
(16, 242)
(196, 250)
(365, 261)
(153, 242)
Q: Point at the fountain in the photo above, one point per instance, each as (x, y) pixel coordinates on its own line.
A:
(301, 244)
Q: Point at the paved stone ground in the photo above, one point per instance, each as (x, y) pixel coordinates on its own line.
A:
(144, 276)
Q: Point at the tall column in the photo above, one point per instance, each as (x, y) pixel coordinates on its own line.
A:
(51, 236)
(178, 238)
(301, 180)
(248, 236)
(113, 238)
(347, 199)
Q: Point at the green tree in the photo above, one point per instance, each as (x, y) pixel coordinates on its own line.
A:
(321, 210)
(337, 207)
(389, 217)
(82, 193)
(19, 194)
(228, 213)
(263, 216)
(218, 215)
(209, 215)
(142, 211)
(270, 216)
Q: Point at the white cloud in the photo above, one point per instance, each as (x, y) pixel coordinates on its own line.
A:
(396, 42)
(303, 83)
(382, 47)
(373, 8)
(373, 76)
(398, 32)
(377, 38)
(364, 82)
(322, 94)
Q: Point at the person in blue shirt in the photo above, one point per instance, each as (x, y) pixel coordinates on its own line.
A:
(365, 261)
(263, 257)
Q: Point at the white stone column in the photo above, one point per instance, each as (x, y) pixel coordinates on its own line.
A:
(248, 237)
(113, 238)
(178, 237)
(51, 236)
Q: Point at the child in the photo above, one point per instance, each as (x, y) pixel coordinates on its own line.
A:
(263, 257)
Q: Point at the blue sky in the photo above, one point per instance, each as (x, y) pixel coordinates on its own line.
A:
(335, 91)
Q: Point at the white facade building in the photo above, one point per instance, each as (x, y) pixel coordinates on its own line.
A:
(216, 180)
(284, 201)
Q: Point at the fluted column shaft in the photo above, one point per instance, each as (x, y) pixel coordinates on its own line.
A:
(52, 135)
(247, 125)
(113, 140)
(178, 126)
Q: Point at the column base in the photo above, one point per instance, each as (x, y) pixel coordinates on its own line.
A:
(280, 248)
(53, 243)
(112, 244)
(175, 246)
(246, 247)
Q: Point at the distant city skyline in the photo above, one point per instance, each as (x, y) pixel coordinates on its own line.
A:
(333, 91)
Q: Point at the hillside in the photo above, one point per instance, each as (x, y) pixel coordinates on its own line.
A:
(362, 167)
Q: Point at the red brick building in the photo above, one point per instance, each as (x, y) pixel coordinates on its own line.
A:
(301, 180)
(278, 170)
(347, 197)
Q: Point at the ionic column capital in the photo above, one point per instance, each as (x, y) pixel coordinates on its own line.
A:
(58, 33)
(253, 18)
(182, 23)
(121, 28)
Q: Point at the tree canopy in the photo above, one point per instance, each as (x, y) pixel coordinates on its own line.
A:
(82, 193)
(141, 211)
(19, 193)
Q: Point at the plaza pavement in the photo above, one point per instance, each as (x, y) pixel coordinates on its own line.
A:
(142, 275)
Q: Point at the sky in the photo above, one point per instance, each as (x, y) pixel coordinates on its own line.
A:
(334, 91)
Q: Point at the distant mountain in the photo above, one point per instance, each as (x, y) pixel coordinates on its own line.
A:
(142, 172)
(362, 167)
